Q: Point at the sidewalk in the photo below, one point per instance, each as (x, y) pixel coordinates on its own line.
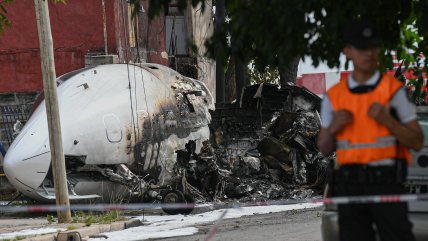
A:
(39, 229)
(28, 227)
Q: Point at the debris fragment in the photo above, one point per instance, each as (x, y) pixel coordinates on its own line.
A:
(261, 148)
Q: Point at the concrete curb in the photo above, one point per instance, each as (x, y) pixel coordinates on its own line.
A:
(85, 233)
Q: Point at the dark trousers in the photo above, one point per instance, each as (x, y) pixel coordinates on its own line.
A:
(357, 222)
(360, 222)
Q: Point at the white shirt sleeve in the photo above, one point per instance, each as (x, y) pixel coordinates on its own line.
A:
(326, 112)
(404, 108)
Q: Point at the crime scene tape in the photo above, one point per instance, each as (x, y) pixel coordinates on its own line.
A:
(214, 229)
(140, 206)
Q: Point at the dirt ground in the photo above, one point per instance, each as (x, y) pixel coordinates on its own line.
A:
(300, 225)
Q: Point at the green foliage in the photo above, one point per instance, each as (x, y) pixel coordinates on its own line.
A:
(267, 75)
(50, 218)
(71, 227)
(417, 84)
(274, 32)
(89, 220)
(413, 53)
(103, 218)
(7, 196)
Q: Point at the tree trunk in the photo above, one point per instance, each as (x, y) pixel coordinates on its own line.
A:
(289, 73)
(240, 78)
(230, 80)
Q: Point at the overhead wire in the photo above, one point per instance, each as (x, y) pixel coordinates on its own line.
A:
(126, 38)
(136, 104)
(145, 98)
(133, 23)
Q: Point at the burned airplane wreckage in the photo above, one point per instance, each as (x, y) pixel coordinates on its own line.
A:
(121, 125)
(261, 148)
(146, 133)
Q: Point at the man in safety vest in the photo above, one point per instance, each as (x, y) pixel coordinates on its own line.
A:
(371, 124)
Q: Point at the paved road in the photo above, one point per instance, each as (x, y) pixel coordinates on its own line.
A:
(300, 225)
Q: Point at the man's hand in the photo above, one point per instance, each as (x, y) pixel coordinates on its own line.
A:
(340, 119)
(408, 134)
(380, 113)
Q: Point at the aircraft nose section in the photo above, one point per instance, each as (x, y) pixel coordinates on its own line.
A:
(27, 162)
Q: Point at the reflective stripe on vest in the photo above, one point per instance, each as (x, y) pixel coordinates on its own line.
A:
(380, 142)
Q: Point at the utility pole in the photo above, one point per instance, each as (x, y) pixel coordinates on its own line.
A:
(52, 110)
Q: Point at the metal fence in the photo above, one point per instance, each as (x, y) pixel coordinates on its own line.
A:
(9, 115)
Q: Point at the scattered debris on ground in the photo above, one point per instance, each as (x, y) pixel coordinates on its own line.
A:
(261, 148)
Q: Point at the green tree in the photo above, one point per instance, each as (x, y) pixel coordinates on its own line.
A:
(274, 32)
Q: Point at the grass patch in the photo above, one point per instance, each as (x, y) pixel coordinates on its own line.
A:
(102, 218)
(50, 218)
(71, 227)
(7, 197)
(15, 239)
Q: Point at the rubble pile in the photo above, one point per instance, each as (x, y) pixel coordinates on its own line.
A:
(261, 148)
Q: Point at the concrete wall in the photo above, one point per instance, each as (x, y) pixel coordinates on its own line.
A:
(200, 28)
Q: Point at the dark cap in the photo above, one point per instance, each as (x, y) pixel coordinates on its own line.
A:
(361, 35)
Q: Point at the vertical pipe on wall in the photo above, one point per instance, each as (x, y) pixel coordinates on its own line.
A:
(104, 27)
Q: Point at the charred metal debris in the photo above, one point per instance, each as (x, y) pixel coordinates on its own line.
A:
(261, 148)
